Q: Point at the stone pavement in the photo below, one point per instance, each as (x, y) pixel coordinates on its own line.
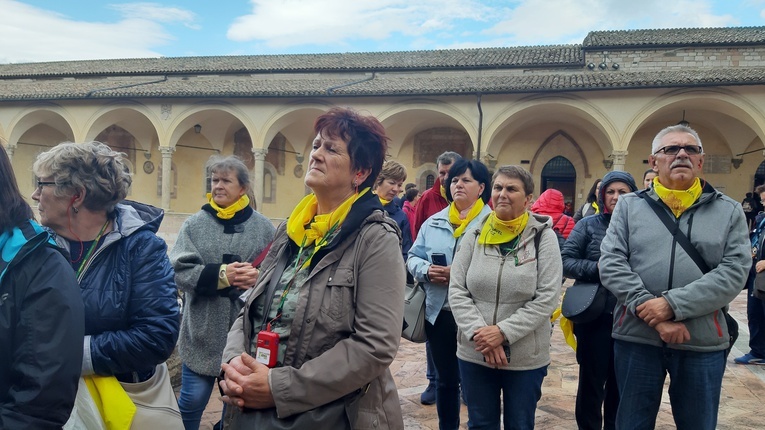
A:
(742, 400)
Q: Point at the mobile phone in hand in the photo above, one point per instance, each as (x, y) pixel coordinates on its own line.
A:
(438, 258)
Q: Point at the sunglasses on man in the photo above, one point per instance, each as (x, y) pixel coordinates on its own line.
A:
(675, 149)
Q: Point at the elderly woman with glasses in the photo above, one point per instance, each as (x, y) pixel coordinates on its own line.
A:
(126, 280)
(324, 319)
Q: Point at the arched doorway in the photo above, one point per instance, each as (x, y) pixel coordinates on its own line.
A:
(759, 175)
(560, 174)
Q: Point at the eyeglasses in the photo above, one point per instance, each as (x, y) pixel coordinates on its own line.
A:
(675, 149)
(41, 184)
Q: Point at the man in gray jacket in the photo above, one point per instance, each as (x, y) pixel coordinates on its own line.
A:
(669, 318)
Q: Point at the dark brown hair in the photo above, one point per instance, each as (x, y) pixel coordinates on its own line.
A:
(15, 209)
(365, 136)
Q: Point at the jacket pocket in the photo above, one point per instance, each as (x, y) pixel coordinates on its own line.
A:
(338, 296)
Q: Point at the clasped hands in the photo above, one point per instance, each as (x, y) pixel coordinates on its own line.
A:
(488, 341)
(657, 314)
(245, 383)
(241, 275)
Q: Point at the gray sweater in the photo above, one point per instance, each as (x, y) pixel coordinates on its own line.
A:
(196, 258)
(640, 261)
(516, 294)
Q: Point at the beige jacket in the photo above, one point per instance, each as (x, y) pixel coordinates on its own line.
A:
(339, 346)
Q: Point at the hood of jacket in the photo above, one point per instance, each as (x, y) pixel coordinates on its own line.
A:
(549, 202)
(611, 177)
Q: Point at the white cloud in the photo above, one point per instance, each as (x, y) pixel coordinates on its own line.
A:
(536, 22)
(29, 34)
(299, 22)
(156, 12)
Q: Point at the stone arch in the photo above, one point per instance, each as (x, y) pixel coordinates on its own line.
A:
(47, 114)
(295, 122)
(406, 118)
(135, 118)
(552, 138)
(219, 121)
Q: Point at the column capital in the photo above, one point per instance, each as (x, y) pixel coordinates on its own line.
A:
(619, 158)
(10, 149)
(259, 154)
(166, 150)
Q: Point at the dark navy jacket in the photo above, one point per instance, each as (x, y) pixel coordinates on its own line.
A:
(402, 221)
(128, 289)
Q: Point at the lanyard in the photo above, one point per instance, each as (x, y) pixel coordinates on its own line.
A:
(90, 250)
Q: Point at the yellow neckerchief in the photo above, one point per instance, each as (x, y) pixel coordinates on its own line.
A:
(454, 216)
(114, 405)
(228, 212)
(496, 232)
(678, 200)
(305, 213)
(442, 190)
(597, 209)
(384, 202)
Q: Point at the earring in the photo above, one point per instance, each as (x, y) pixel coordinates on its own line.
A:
(75, 210)
(356, 186)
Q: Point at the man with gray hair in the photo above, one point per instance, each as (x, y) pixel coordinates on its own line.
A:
(673, 286)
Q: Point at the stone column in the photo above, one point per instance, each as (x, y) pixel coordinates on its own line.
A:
(10, 149)
(258, 176)
(167, 175)
(620, 159)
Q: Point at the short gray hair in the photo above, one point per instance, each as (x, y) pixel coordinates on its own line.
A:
(516, 172)
(91, 167)
(448, 157)
(679, 128)
(231, 163)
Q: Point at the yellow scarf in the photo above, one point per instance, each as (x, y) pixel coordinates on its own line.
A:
(305, 214)
(454, 217)
(384, 202)
(678, 200)
(113, 403)
(496, 232)
(595, 205)
(228, 213)
(443, 192)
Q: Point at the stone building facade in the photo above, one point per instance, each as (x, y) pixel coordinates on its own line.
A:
(567, 113)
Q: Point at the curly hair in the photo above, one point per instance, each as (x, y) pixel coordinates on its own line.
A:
(90, 167)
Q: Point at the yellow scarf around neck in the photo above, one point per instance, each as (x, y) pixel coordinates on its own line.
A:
(442, 190)
(678, 200)
(229, 212)
(496, 232)
(384, 202)
(305, 213)
(597, 208)
(454, 217)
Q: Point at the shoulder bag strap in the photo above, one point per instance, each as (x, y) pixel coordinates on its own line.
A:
(673, 228)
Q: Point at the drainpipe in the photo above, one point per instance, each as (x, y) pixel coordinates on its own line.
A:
(480, 127)
(330, 90)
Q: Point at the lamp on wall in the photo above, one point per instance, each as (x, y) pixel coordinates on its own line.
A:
(736, 162)
(683, 122)
(608, 163)
(197, 128)
(299, 157)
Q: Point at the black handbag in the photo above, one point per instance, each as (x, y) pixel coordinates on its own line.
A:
(584, 302)
(759, 286)
(694, 254)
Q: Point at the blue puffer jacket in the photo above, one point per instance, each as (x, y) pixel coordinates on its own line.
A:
(128, 289)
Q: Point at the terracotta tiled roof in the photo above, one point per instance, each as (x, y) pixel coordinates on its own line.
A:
(451, 59)
(675, 37)
(364, 84)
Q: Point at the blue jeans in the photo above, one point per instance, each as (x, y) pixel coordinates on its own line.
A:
(694, 385)
(755, 316)
(520, 390)
(443, 346)
(195, 393)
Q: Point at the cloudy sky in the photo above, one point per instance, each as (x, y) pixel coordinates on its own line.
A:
(52, 30)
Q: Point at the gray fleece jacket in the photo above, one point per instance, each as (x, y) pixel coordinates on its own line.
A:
(640, 260)
(517, 292)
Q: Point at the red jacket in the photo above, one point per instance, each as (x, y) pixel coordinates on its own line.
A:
(430, 203)
(551, 203)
